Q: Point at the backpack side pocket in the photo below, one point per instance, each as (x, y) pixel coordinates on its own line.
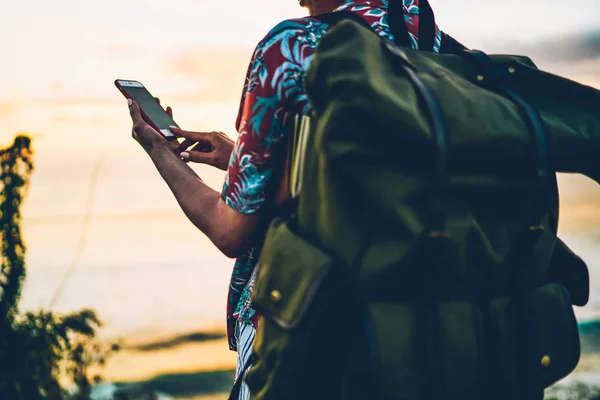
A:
(297, 341)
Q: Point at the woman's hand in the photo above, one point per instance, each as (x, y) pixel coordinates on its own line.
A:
(211, 148)
(142, 132)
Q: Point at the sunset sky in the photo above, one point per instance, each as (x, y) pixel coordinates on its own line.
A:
(61, 57)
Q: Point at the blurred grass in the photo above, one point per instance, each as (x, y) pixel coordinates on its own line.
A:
(176, 341)
(196, 385)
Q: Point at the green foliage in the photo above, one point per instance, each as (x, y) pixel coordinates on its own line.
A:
(15, 168)
(34, 346)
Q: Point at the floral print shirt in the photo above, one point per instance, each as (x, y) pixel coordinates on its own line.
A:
(273, 88)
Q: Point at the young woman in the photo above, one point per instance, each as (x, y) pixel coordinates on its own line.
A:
(235, 219)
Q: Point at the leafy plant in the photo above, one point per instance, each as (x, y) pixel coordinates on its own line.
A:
(35, 345)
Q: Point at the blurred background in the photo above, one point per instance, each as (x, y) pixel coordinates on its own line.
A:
(101, 227)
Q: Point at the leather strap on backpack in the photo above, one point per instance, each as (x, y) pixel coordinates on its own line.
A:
(493, 77)
(525, 255)
(435, 244)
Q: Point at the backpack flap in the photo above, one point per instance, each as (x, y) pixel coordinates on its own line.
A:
(297, 340)
(557, 346)
(568, 269)
(556, 336)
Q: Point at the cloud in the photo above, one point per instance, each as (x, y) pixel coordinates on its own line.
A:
(209, 74)
(572, 48)
(575, 47)
(575, 56)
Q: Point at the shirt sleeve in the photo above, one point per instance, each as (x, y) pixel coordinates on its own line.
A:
(260, 148)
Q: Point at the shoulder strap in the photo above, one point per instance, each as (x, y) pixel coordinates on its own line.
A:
(450, 45)
(427, 28)
(397, 23)
(300, 129)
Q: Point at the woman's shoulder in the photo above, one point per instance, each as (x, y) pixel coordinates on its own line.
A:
(305, 30)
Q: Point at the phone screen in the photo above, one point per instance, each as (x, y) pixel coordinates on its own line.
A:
(149, 105)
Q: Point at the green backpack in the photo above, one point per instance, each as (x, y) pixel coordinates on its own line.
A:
(423, 259)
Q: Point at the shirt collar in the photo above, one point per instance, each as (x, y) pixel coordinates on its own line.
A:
(364, 3)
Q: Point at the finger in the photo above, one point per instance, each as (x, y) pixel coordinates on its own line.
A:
(196, 136)
(134, 111)
(169, 110)
(204, 147)
(186, 144)
(198, 157)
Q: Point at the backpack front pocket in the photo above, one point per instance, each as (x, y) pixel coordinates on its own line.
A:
(400, 358)
(298, 336)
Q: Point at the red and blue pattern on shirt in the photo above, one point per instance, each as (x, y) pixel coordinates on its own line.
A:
(274, 87)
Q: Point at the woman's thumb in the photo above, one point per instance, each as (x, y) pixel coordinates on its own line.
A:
(196, 157)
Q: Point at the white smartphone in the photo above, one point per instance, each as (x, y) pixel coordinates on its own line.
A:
(152, 112)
